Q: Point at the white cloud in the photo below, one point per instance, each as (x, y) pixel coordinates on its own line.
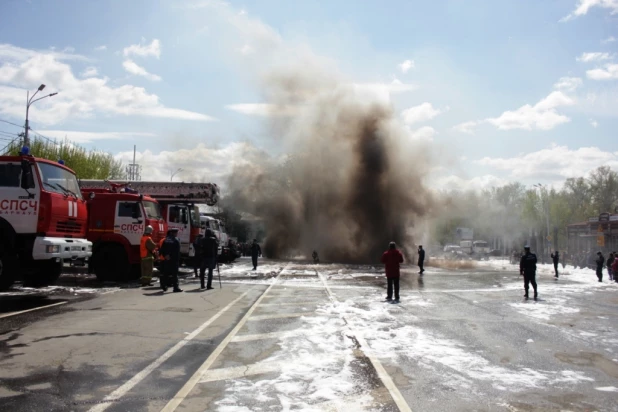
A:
(568, 84)
(610, 39)
(420, 113)
(593, 57)
(425, 133)
(261, 109)
(246, 49)
(199, 164)
(406, 65)
(541, 116)
(609, 72)
(594, 123)
(87, 137)
(466, 127)
(89, 72)
(152, 49)
(10, 53)
(133, 68)
(100, 48)
(583, 6)
(554, 163)
(76, 97)
(478, 183)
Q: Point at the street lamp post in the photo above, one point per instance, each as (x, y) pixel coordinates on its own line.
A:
(29, 101)
(174, 173)
(545, 206)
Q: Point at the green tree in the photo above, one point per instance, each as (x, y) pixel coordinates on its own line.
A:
(87, 164)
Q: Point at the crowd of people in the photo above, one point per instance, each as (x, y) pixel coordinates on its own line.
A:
(167, 252)
(393, 258)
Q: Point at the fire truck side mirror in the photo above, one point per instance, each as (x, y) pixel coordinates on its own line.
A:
(27, 181)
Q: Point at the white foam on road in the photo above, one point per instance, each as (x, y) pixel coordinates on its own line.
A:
(390, 336)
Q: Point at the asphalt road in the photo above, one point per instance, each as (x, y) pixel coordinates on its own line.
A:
(298, 336)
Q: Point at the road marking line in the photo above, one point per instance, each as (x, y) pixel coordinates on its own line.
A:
(197, 376)
(121, 391)
(31, 310)
(316, 302)
(382, 374)
(240, 371)
(281, 316)
(274, 335)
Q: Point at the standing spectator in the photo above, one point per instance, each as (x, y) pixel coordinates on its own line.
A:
(421, 259)
(391, 259)
(170, 250)
(147, 249)
(208, 255)
(197, 258)
(610, 261)
(615, 267)
(556, 258)
(527, 268)
(599, 261)
(256, 251)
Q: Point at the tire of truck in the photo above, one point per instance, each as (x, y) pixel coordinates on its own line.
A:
(110, 263)
(46, 273)
(8, 268)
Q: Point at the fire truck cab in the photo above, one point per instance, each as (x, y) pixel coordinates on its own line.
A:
(42, 220)
(116, 222)
(184, 217)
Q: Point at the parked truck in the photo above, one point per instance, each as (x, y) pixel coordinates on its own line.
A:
(161, 204)
(42, 220)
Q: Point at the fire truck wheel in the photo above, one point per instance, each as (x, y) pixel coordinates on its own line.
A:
(110, 262)
(46, 273)
(7, 269)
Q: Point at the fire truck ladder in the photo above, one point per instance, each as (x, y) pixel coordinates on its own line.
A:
(207, 193)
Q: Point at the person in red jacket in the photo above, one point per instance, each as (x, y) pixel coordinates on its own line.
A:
(391, 259)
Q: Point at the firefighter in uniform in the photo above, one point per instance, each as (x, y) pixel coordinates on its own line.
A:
(256, 251)
(208, 248)
(170, 250)
(147, 249)
(527, 268)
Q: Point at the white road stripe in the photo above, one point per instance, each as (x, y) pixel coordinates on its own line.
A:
(240, 371)
(275, 335)
(121, 391)
(282, 315)
(384, 376)
(198, 375)
(315, 302)
(31, 310)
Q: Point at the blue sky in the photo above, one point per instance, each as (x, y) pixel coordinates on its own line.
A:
(476, 63)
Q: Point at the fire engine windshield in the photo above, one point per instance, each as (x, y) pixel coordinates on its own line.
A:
(152, 210)
(59, 180)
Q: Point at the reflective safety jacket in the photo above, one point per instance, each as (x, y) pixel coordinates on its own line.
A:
(147, 247)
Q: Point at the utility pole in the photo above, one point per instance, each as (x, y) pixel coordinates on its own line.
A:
(29, 102)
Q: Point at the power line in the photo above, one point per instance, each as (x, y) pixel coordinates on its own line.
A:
(12, 124)
(9, 134)
(44, 137)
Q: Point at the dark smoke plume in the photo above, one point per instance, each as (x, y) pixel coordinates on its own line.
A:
(352, 179)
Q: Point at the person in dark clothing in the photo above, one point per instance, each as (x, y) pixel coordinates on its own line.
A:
(197, 259)
(421, 259)
(316, 258)
(527, 268)
(556, 258)
(208, 254)
(610, 261)
(391, 259)
(170, 250)
(255, 252)
(599, 261)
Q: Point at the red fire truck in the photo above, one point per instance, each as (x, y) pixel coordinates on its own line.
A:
(160, 205)
(42, 220)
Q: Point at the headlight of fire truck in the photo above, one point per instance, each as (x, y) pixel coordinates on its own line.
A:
(52, 248)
